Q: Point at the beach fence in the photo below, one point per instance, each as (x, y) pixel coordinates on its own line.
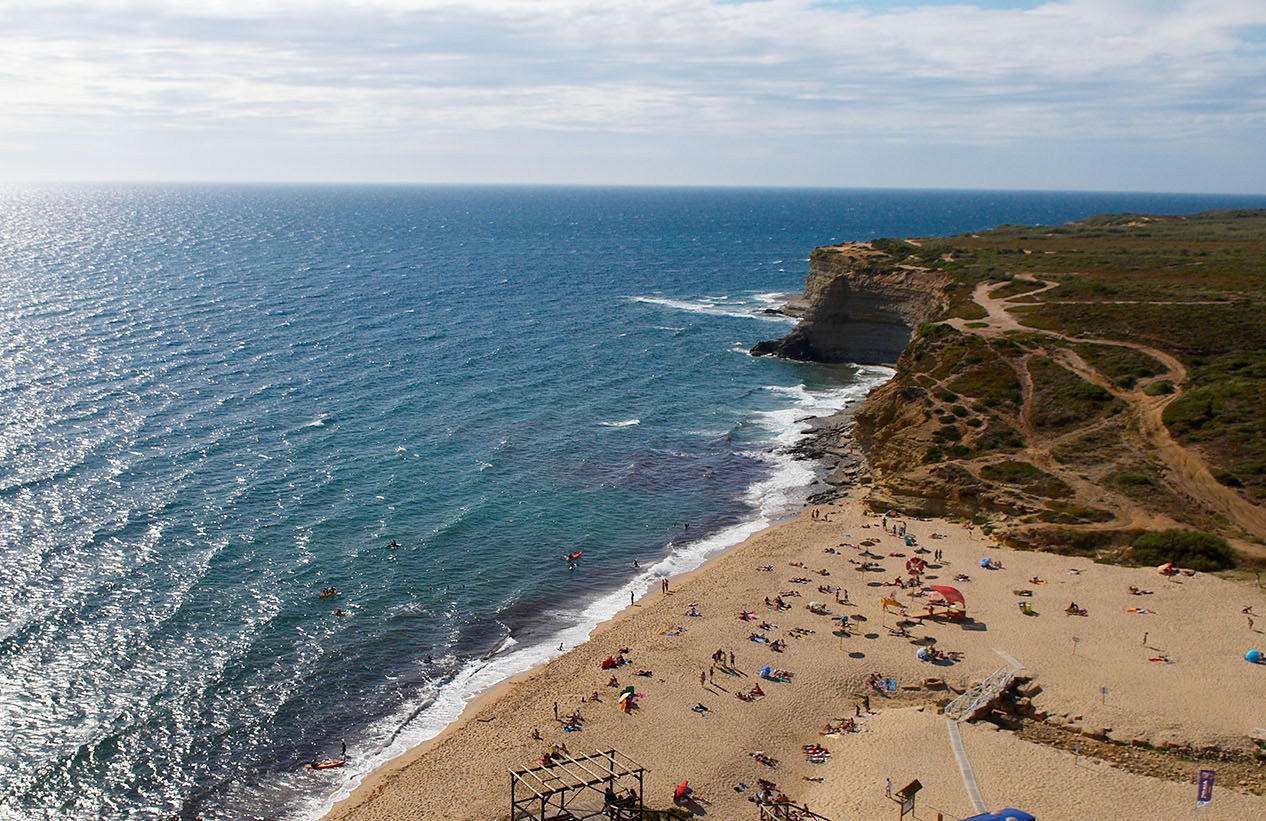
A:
(562, 787)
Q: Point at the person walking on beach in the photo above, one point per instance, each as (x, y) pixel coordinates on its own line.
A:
(703, 677)
(1144, 643)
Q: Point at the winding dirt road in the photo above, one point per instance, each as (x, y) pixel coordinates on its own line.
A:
(1188, 472)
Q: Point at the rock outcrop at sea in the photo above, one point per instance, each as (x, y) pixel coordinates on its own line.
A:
(860, 308)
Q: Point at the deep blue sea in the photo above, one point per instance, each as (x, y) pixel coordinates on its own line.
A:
(216, 401)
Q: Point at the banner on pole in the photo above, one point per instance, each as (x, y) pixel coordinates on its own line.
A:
(1204, 788)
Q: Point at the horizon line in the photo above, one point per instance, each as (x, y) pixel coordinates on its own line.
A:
(604, 185)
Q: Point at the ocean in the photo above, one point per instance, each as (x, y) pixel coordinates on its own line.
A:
(218, 401)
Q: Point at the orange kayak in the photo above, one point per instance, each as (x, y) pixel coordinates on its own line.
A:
(324, 765)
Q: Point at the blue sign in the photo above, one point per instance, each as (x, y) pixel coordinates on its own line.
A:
(1204, 788)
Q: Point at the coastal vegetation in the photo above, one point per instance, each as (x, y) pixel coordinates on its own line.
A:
(1117, 364)
(1185, 548)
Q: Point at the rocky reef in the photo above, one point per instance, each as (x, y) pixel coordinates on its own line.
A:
(860, 307)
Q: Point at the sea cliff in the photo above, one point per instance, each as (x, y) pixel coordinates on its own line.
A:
(860, 308)
(1070, 388)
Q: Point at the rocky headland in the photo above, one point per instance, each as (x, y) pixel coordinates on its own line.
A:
(859, 308)
(1062, 386)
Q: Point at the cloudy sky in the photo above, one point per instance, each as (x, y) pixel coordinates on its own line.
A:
(1148, 95)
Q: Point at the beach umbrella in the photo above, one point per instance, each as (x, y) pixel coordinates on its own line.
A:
(1254, 656)
(984, 562)
(1012, 814)
(949, 594)
(765, 672)
(628, 691)
(682, 789)
(921, 654)
(816, 605)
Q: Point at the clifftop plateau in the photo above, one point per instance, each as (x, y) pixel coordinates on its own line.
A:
(1071, 387)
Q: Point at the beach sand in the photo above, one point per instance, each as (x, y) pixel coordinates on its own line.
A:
(1204, 694)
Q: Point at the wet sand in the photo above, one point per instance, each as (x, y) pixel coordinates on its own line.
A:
(1188, 684)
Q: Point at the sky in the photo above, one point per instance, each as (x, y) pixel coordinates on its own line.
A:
(1126, 95)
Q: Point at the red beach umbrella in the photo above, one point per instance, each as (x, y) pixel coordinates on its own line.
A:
(950, 594)
(681, 790)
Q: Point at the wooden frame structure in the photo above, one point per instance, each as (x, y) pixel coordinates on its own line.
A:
(788, 812)
(556, 791)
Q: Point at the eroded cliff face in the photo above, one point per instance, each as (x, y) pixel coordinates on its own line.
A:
(861, 308)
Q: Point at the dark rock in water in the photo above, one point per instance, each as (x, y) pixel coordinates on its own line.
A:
(794, 345)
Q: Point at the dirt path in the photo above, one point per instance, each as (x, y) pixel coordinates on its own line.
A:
(1188, 472)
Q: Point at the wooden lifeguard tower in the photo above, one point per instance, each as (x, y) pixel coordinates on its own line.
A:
(574, 788)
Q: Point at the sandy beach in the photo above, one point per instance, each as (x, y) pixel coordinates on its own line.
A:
(1172, 663)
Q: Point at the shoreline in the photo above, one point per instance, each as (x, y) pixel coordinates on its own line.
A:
(461, 773)
(812, 439)
(492, 695)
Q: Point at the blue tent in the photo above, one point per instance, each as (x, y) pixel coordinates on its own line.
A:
(1003, 815)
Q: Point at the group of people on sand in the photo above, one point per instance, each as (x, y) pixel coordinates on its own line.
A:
(612, 800)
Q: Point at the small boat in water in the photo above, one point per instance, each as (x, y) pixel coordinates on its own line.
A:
(329, 764)
(325, 765)
(328, 592)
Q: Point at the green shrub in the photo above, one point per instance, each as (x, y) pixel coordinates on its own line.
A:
(1011, 471)
(1159, 388)
(1225, 477)
(1185, 548)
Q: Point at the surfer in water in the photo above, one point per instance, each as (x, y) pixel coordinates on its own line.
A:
(393, 544)
(316, 764)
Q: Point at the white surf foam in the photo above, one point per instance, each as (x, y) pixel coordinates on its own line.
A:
(429, 712)
(750, 306)
(625, 424)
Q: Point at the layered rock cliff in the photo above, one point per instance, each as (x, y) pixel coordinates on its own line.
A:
(862, 308)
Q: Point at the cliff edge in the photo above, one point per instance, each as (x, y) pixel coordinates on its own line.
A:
(1080, 388)
(861, 307)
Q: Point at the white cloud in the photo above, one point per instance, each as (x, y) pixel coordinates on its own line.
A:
(265, 69)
